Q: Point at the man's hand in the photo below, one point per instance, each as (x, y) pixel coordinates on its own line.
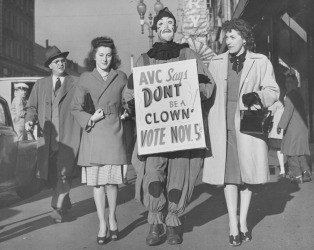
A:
(29, 126)
(278, 131)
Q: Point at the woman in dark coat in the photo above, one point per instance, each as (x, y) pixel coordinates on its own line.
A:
(102, 150)
(295, 143)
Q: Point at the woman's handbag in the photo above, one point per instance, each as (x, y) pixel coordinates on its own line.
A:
(255, 122)
(88, 105)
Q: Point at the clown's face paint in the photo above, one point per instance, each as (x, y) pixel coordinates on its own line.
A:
(166, 29)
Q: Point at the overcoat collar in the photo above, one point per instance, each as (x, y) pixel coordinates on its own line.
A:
(112, 75)
(67, 84)
(247, 66)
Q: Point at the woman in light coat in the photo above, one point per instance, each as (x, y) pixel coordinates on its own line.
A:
(243, 78)
(102, 151)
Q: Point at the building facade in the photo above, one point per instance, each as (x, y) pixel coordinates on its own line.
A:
(284, 32)
(19, 54)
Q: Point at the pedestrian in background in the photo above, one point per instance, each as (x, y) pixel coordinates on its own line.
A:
(293, 122)
(275, 136)
(238, 160)
(58, 134)
(18, 110)
(103, 151)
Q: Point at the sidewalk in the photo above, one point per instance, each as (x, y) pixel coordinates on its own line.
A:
(280, 216)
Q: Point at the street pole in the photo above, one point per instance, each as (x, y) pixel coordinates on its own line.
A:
(141, 9)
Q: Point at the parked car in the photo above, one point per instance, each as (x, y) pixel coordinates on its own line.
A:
(18, 159)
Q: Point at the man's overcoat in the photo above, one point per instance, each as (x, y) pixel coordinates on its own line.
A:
(67, 135)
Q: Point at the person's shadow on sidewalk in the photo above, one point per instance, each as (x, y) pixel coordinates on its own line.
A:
(270, 199)
(210, 209)
(79, 209)
(267, 199)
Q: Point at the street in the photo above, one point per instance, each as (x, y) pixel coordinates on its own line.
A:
(280, 217)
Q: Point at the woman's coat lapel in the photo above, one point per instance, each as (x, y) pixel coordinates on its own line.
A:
(112, 75)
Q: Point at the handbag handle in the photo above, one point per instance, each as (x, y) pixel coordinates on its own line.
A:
(258, 103)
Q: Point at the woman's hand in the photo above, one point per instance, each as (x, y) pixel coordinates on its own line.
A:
(29, 126)
(250, 99)
(97, 116)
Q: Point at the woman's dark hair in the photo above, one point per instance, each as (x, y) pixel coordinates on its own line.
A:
(293, 77)
(102, 41)
(243, 27)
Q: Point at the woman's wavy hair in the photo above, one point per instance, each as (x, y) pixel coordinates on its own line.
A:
(102, 41)
(243, 27)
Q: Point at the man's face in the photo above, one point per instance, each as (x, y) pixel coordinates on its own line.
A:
(166, 29)
(58, 66)
(21, 92)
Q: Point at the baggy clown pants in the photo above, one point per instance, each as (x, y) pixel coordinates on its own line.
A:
(167, 184)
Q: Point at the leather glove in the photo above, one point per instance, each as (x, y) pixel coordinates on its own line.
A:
(131, 107)
(250, 99)
(205, 87)
(141, 157)
(130, 82)
(278, 131)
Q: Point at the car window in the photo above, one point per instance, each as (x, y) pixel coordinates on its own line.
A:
(2, 115)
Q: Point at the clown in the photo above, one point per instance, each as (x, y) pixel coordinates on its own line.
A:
(165, 181)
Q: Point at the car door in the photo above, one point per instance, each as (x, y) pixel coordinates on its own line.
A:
(8, 147)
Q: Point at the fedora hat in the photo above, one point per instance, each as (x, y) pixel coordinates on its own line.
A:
(53, 53)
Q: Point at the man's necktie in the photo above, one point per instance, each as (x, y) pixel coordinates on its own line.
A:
(57, 86)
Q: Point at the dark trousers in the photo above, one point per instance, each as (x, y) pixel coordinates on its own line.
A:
(297, 164)
(60, 184)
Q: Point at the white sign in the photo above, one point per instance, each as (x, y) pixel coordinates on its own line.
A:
(168, 107)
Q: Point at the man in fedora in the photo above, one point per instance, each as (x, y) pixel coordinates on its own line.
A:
(18, 109)
(58, 133)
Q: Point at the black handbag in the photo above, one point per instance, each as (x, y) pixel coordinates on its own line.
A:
(88, 105)
(255, 122)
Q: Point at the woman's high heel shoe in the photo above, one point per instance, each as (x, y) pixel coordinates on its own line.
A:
(235, 240)
(246, 237)
(114, 235)
(101, 240)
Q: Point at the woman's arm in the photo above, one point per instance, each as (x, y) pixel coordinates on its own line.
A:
(269, 89)
(82, 117)
(287, 114)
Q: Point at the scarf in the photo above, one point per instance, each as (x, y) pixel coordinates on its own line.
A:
(237, 61)
(166, 51)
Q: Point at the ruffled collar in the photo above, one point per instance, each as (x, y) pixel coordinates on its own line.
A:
(166, 51)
